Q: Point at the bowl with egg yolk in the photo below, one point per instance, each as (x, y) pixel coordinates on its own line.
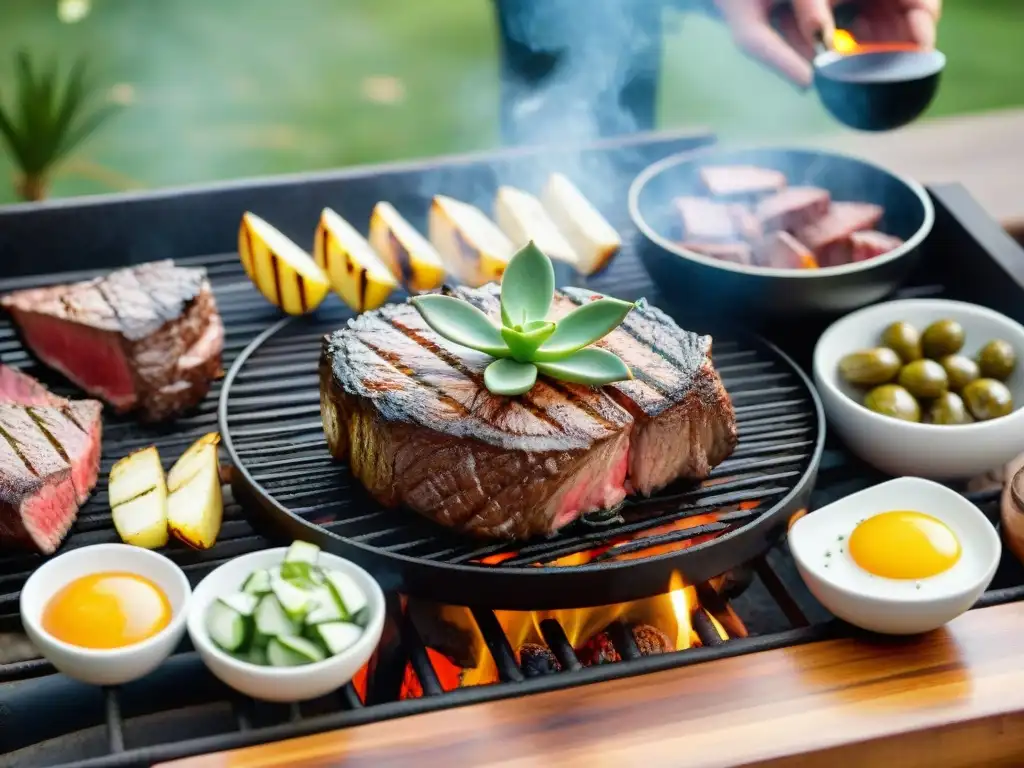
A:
(106, 614)
(902, 557)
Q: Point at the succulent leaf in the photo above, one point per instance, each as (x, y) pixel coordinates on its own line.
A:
(461, 322)
(527, 287)
(510, 377)
(523, 344)
(592, 366)
(582, 327)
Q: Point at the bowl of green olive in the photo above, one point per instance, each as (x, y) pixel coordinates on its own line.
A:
(925, 387)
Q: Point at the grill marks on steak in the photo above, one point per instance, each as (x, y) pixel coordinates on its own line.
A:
(49, 464)
(148, 337)
(408, 410)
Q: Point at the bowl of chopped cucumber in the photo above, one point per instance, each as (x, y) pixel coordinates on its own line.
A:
(286, 624)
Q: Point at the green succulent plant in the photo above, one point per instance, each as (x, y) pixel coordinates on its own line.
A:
(527, 343)
(47, 119)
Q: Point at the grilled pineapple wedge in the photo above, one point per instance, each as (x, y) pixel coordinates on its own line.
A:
(522, 218)
(590, 235)
(138, 499)
(195, 505)
(471, 246)
(407, 253)
(283, 272)
(357, 274)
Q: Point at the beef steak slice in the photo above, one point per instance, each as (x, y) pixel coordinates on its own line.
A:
(49, 464)
(733, 180)
(705, 220)
(783, 251)
(792, 208)
(146, 338)
(829, 236)
(408, 410)
(738, 253)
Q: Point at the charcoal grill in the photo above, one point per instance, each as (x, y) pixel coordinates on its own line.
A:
(270, 423)
(46, 719)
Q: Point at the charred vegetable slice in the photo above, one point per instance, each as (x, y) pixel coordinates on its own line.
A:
(356, 272)
(406, 252)
(195, 506)
(282, 271)
(138, 499)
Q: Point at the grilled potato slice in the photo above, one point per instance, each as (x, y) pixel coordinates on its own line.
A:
(138, 499)
(590, 235)
(356, 272)
(407, 253)
(195, 506)
(283, 272)
(522, 218)
(471, 246)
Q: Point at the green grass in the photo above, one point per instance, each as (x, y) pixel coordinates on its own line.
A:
(238, 88)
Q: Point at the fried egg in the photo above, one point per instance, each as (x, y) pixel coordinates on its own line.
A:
(904, 544)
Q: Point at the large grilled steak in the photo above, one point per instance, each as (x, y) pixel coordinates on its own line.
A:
(49, 461)
(146, 338)
(408, 410)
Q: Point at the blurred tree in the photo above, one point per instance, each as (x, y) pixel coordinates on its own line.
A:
(47, 120)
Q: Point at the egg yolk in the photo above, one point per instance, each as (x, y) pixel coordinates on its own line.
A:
(107, 610)
(904, 545)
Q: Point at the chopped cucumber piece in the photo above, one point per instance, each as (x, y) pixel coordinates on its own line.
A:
(348, 594)
(254, 655)
(292, 651)
(299, 560)
(258, 583)
(228, 627)
(242, 602)
(325, 609)
(337, 636)
(271, 619)
(295, 600)
(362, 618)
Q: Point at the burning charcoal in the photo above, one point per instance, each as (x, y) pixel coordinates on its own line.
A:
(597, 650)
(650, 640)
(536, 660)
(449, 629)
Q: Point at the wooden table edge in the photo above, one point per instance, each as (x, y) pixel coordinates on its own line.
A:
(954, 697)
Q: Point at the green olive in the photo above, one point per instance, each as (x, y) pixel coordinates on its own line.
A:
(903, 339)
(895, 401)
(960, 371)
(941, 338)
(870, 366)
(997, 360)
(987, 399)
(924, 378)
(949, 409)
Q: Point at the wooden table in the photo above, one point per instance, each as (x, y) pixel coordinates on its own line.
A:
(954, 697)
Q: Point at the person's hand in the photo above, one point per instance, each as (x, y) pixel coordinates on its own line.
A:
(788, 48)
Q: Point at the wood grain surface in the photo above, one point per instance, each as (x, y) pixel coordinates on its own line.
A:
(954, 697)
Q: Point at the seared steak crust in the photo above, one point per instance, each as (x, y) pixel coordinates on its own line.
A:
(408, 410)
(49, 463)
(154, 328)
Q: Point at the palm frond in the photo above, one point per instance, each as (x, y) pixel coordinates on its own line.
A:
(49, 118)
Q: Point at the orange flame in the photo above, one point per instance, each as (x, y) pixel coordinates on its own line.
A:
(845, 43)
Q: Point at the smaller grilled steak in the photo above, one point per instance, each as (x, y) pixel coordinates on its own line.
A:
(707, 221)
(738, 253)
(870, 243)
(792, 208)
(829, 236)
(146, 338)
(49, 462)
(732, 180)
(783, 251)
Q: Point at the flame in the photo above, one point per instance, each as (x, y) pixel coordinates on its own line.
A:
(684, 601)
(845, 43)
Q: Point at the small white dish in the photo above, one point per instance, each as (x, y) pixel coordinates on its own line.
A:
(939, 452)
(101, 666)
(895, 606)
(283, 684)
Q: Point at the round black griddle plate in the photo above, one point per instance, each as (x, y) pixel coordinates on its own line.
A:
(269, 418)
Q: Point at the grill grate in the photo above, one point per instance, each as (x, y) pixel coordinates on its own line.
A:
(270, 411)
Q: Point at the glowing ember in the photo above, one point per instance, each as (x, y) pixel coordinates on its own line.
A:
(536, 660)
(843, 42)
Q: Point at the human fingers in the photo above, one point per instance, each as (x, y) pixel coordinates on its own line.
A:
(922, 19)
(752, 32)
(815, 20)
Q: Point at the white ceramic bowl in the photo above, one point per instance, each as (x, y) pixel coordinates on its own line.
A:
(119, 665)
(895, 606)
(907, 448)
(283, 684)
